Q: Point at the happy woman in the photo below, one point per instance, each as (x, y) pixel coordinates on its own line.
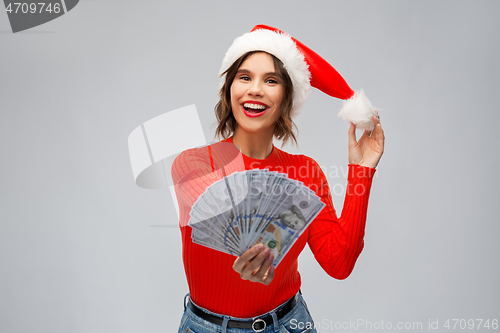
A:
(266, 76)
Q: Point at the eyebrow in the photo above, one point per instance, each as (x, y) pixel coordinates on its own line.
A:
(248, 72)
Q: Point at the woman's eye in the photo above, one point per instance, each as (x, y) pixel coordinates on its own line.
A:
(272, 81)
(245, 78)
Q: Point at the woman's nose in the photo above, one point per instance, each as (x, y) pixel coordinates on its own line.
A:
(255, 88)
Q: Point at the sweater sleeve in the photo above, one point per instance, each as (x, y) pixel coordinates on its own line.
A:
(336, 242)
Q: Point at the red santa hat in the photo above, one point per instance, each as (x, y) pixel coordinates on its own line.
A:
(306, 68)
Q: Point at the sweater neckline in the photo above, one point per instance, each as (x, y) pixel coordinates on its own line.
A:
(270, 158)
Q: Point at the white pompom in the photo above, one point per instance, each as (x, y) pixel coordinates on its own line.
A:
(359, 111)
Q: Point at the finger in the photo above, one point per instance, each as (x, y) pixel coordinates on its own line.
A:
(260, 274)
(269, 277)
(376, 120)
(378, 132)
(248, 271)
(352, 135)
(241, 263)
(380, 136)
(248, 255)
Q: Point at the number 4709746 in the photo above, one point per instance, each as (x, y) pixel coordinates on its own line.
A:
(471, 324)
(25, 8)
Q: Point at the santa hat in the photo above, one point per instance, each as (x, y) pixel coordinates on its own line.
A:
(306, 68)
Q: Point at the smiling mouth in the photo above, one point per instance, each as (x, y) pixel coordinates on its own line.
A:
(254, 108)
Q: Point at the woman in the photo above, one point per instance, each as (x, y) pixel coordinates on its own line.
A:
(266, 78)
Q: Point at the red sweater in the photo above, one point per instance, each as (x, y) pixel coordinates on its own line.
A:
(336, 242)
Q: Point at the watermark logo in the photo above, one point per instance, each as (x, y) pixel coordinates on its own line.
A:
(24, 15)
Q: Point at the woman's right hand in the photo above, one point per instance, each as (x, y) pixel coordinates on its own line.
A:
(255, 264)
(368, 150)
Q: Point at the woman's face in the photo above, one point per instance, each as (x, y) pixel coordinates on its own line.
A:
(256, 94)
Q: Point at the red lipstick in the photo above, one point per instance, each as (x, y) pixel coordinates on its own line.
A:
(254, 114)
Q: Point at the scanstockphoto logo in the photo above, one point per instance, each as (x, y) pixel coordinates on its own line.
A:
(24, 15)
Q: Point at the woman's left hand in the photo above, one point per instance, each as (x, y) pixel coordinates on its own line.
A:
(255, 264)
(368, 150)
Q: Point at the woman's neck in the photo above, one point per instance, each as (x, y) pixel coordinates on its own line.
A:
(255, 145)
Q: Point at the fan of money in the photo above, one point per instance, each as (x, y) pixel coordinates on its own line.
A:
(253, 206)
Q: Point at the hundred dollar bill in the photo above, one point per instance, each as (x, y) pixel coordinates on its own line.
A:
(224, 217)
(239, 190)
(255, 179)
(222, 196)
(222, 234)
(280, 192)
(273, 238)
(217, 244)
(276, 194)
(267, 198)
(297, 213)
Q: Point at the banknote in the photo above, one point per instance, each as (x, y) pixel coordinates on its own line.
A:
(253, 206)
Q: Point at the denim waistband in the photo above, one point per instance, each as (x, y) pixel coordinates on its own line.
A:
(226, 319)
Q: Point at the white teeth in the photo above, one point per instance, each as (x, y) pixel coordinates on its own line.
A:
(254, 106)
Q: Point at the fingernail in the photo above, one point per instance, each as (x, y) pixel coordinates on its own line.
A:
(270, 258)
(267, 251)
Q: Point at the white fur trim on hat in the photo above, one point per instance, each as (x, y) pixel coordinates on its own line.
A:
(282, 47)
(358, 110)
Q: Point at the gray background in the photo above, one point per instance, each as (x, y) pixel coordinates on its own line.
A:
(81, 246)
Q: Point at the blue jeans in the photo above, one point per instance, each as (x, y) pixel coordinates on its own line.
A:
(297, 320)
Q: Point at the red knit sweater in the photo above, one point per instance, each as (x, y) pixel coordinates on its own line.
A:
(335, 242)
